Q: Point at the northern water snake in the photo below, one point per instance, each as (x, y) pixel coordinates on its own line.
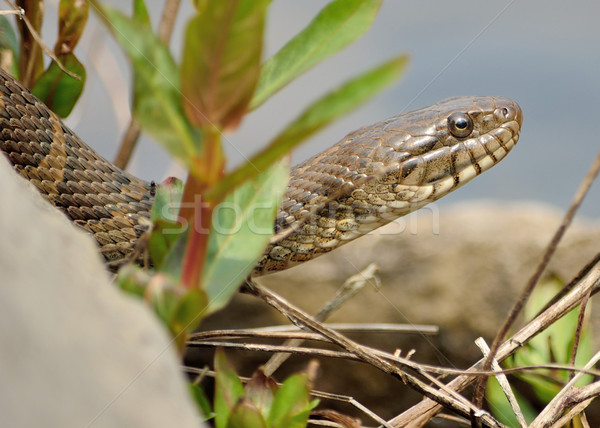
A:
(371, 177)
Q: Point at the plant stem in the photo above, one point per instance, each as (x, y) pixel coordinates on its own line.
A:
(197, 210)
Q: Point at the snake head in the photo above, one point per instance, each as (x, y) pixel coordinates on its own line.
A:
(465, 137)
(386, 170)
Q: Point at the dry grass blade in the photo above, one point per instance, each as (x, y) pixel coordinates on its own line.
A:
(130, 139)
(584, 271)
(456, 419)
(127, 146)
(503, 381)
(296, 350)
(167, 20)
(17, 11)
(367, 327)
(578, 332)
(206, 339)
(291, 332)
(577, 410)
(323, 423)
(352, 401)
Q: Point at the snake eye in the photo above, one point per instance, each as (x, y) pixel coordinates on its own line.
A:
(460, 124)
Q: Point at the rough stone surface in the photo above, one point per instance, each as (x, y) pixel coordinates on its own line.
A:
(461, 269)
(75, 352)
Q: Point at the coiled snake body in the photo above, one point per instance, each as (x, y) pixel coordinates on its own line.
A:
(371, 177)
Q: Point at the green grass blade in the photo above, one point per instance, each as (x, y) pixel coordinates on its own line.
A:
(338, 103)
(336, 26)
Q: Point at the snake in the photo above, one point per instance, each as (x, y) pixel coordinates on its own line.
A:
(371, 177)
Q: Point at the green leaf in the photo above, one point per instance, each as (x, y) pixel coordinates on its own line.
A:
(172, 261)
(241, 227)
(179, 309)
(318, 115)
(553, 345)
(165, 227)
(201, 400)
(337, 103)
(246, 415)
(157, 102)
(336, 26)
(502, 409)
(140, 13)
(228, 389)
(291, 407)
(58, 90)
(221, 61)
(72, 17)
(261, 389)
(9, 45)
(188, 312)
(8, 38)
(133, 279)
(164, 295)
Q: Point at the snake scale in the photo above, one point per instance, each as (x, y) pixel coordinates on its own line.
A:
(371, 177)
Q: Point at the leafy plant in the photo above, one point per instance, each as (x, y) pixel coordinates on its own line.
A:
(261, 403)
(209, 231)
(57, 89)
(187, 107)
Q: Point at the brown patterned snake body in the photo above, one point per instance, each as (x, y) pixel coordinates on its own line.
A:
(371, 177)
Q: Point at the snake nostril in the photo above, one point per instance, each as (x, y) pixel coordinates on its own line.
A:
(505, 113)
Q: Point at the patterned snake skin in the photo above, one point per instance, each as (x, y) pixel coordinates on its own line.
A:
(371, 177)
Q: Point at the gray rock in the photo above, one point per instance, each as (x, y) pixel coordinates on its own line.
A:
(76, 352)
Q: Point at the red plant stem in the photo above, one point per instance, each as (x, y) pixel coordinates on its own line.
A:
(198, 212)
(195, 213)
